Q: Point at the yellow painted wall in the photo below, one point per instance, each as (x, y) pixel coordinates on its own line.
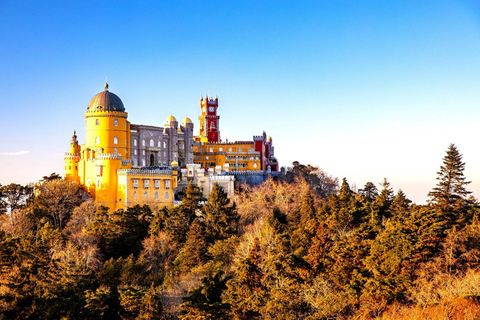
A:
(232, 153)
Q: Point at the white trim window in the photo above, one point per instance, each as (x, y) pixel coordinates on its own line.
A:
(167, 195)
(135, 183)
(97, 140)
(167, 184)
(115, 140)
(156, 195)
(146, 183)
(157, 184)
(115, 122)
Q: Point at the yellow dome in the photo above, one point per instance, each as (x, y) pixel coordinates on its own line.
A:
(186, 121)
(169, 120)
(174, 163)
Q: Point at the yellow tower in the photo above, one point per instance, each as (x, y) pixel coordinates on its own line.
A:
(107, 146)
(71, 160)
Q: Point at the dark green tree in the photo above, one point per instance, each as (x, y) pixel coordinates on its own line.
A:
(221, 217)
(205, 301)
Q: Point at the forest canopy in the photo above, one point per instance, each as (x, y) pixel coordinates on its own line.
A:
(301, 247)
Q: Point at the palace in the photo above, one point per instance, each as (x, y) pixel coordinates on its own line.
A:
(210, 152)
(121, 164)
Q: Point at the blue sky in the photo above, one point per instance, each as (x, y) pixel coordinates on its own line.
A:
(363, 89)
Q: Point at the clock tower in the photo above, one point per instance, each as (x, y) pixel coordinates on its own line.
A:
(209, 130)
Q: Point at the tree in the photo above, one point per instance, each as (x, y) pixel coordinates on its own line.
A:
(57, 199)
(450, 194)
(14, 196)
(221, 217)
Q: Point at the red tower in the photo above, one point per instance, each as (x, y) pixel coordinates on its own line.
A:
(209, 130)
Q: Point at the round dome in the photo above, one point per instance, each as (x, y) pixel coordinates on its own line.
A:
(106, 101)
(169, 120)
(186, 121)
(174, 163)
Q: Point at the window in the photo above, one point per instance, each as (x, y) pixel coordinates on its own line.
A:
(134, 162)
(115, 150)
(99, 170)
(239, 149)
(134, 194)
(143, 143)
(167, 184)
(255, 165)
(135, 152)
(135, 183)
(146, 184)
(221, 149)
(97, 140)
(143, 162)
(145, 195)
(98, 184)
(115, 122)
(97, 122)
(115, 140)
(156, 195)
(167, 195)
(143, 152)
(152, 143)
(211, 149)
(157, 184)
(89, 182)
(135, 142)
(229, 149)
(159, 144)
(164, 144)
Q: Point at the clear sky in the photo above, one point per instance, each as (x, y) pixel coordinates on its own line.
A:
(363, 89)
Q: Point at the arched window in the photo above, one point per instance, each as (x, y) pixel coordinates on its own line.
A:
(135, 142)
(145, 195)
(115, 151)
(229, 149)
(156, 195)
(152, 143)
(115, 122)
(115, 140)
(159, 144)
(97, 122)
(143, 143)
(97, 140)
(143, 162)
(167, 195)
(212, 125)
(152, 160)
(134, 194)
(221, 149)
(255, 165)
(211, 149)
(239, 149)
(134, 162)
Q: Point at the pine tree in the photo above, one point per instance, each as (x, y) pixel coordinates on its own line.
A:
(450, 195)
(221, 217)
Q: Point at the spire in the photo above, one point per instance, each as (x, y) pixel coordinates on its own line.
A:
(106, 83)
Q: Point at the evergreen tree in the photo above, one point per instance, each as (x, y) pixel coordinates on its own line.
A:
(450, 195)
(221, 217)
(452, 182)
(245, 293)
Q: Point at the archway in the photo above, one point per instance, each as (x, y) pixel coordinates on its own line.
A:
(152, 160)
